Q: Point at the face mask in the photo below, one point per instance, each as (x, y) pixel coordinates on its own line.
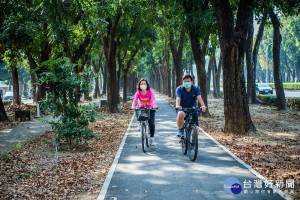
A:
(187, 84)
(143, 87)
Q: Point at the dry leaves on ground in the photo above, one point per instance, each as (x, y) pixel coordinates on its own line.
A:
(29, 172)
(273, 150)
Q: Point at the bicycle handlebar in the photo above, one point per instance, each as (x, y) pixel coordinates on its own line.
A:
(191, 109)
(144, 108)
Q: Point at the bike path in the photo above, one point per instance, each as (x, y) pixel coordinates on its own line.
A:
(165, 173)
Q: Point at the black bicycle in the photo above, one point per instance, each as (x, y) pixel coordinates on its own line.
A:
(143, 115)
(189, 141)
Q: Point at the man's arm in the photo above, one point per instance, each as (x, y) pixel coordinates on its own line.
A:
(178, 103)
(200, 100)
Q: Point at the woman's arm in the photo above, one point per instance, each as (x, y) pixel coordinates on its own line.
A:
(152, 99)
(135, 99)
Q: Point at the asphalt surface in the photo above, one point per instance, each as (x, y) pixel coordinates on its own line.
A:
(10, 137)
(165, 173)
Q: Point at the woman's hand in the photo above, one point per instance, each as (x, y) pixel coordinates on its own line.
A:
(154, 107)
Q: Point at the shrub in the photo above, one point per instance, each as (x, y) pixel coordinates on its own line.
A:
(292, 103)
(288, 86)
(7, 102)
(63, 101)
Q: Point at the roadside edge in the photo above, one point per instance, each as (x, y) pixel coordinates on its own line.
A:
(112, 169)
(253, 171)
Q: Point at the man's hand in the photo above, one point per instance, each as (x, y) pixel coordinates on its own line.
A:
(203, 108)
(178, 107)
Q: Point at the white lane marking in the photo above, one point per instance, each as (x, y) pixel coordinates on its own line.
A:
(114, 165)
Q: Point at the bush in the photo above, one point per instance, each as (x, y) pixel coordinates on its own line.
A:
(63, 100)
(288, 86)
(7, 102)
(292, 103)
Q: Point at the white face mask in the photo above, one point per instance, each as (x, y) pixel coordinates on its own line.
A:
(143, 87)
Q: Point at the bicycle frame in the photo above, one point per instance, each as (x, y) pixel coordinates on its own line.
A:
(190, 142)
(144, 125)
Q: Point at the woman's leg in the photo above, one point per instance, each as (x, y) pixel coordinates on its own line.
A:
(152, 123)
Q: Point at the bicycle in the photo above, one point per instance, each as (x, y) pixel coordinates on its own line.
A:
(143, 115)
(189, 141)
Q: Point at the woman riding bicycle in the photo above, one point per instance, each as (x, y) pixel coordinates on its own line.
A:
(146, 99)
(187, 96)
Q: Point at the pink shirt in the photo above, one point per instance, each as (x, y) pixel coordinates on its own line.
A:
(147, 100)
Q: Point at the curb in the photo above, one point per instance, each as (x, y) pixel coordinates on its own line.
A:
(253, 171)
(112, 169)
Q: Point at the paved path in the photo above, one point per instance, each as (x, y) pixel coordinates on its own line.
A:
(165, 173)
(10, 137)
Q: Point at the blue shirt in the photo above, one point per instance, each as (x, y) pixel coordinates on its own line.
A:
(188, 99)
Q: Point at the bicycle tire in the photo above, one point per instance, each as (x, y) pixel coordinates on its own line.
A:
(193, 144)
(184, 143)
(145, 143)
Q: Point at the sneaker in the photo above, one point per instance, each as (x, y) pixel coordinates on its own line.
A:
(180, 132)
(151, 141)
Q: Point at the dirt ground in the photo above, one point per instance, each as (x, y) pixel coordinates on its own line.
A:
(273, 150)
(33, 171)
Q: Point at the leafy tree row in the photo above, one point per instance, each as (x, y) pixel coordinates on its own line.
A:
(121, 41)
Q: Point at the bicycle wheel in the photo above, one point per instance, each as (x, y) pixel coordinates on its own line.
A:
(193, 144)
(184, 143)
(145, 142)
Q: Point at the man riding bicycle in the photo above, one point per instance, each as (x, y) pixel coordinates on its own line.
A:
(187, 96)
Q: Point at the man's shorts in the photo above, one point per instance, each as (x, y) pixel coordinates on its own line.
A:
(195, 118)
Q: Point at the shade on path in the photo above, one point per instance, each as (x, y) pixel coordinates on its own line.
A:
(165, 173)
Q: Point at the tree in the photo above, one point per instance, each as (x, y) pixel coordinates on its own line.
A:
(254, 57)
(200, 24)
(62, 102)
(232, 36)
(110, 48)
(281, 102)
(3, 115)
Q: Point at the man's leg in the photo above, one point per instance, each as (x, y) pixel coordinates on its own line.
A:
(196, 121)
(180, 121)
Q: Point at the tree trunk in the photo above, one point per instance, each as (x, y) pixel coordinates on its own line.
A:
(33, 66)
(281, 103)
(173, 83)
(110, 48)
(112, 95)
(3, 115)
(165, 70)
(199, 57)
(104, 74)
(209, 70)
(120, 68)
(232, 37)
(288, 69)
(249, 60)
(177, 56)
(16, 88)
(97, 89)
(254, 54)
(96, 70)
(216, 77)
(125, 86)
